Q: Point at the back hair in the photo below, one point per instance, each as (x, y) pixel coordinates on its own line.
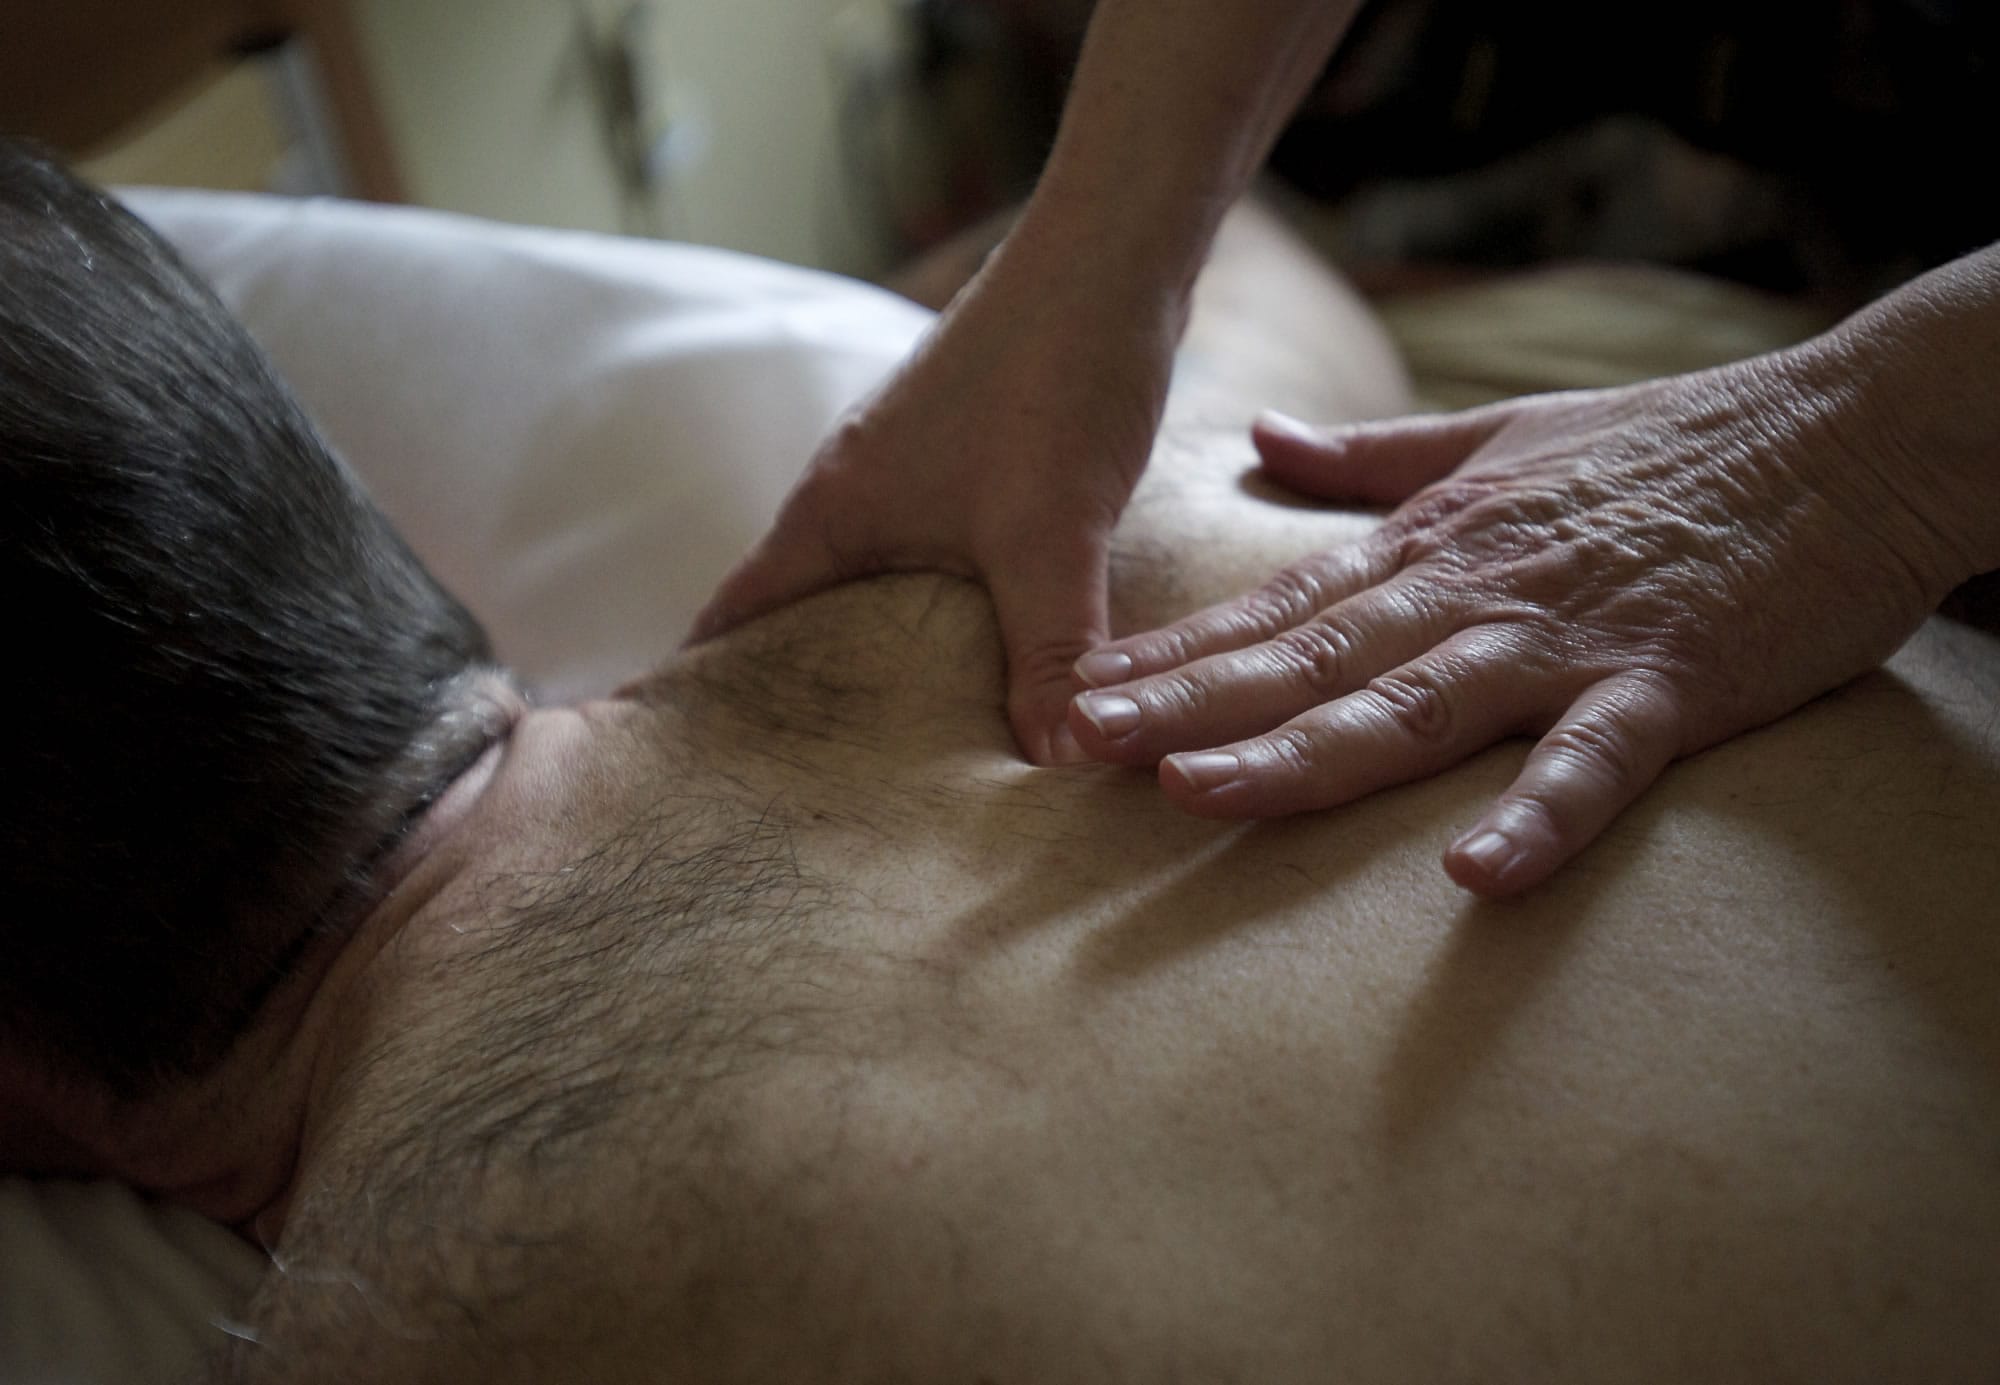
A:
(233, 682)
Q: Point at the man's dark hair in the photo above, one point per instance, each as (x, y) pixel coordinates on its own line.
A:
(232, 681)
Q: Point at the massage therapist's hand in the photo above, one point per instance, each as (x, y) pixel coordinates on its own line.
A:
(1630, 575)
(1004, 449)
(1008, 446)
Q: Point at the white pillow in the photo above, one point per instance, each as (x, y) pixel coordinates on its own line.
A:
(579, 433)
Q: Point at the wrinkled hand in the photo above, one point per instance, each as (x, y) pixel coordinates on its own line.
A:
(1631, 574)
(1004, 450)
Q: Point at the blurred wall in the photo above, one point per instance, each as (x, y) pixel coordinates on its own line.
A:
(489, 108)
(223, 133)
(494, 110)
(754, 84)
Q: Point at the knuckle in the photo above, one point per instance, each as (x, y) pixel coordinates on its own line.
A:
(1419, 519)
(1319, 654)
(1178, 696)
(1597, 749)
(1292, 749)
(1647, 694)
(1443, 499)
(1540, 640)
(1417, 705)
(1201, 635)
(1168, 648)
(1288, 598)
(1421, 600)
(1181, 644)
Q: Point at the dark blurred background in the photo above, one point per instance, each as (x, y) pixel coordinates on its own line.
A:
(1827, 148)
(1821, 149)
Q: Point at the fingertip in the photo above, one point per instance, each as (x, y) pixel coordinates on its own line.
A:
(1203, 771)
(1108, 716)
(1503, 855)
(715, 618)
(1064, 749)
(768, 576)
(1039, 715)
(698, 631)
(1101, 668)
(1486, 863)
(1381, 461)
(1102, 727)
(1612, 743)
(1285, 444)
(1282, 430)
(1035, 739)
(743, 597)
(1209, 784)
(1315, 461)
(1046, 633)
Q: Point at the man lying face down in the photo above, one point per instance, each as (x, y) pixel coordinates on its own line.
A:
(238, 689)
(771, 1021)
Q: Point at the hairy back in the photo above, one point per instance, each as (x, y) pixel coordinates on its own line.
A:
(806, 1034)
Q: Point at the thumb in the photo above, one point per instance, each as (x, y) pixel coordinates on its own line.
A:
(1050, 615)
(781, 567)
(1381, 462)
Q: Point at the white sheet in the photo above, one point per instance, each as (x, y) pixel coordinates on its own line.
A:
(580, 434)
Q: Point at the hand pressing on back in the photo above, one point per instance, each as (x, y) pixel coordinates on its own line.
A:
(1003, 450)
(1629, 575)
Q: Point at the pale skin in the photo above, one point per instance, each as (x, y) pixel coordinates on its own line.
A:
(1577, 568)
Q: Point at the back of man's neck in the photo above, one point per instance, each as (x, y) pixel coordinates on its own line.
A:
(225, 1142)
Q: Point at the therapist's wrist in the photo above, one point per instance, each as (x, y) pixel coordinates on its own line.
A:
(1144, 217)
(1922, 361)
(1088, 271)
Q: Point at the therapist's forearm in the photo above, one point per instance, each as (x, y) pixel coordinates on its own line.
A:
(1174, 106)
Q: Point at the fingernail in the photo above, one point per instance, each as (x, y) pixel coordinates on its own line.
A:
(1112, 714)
(1064, 750)
(1271, 421)
(1492, 853)
(1206, 769)
(1101, 667)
